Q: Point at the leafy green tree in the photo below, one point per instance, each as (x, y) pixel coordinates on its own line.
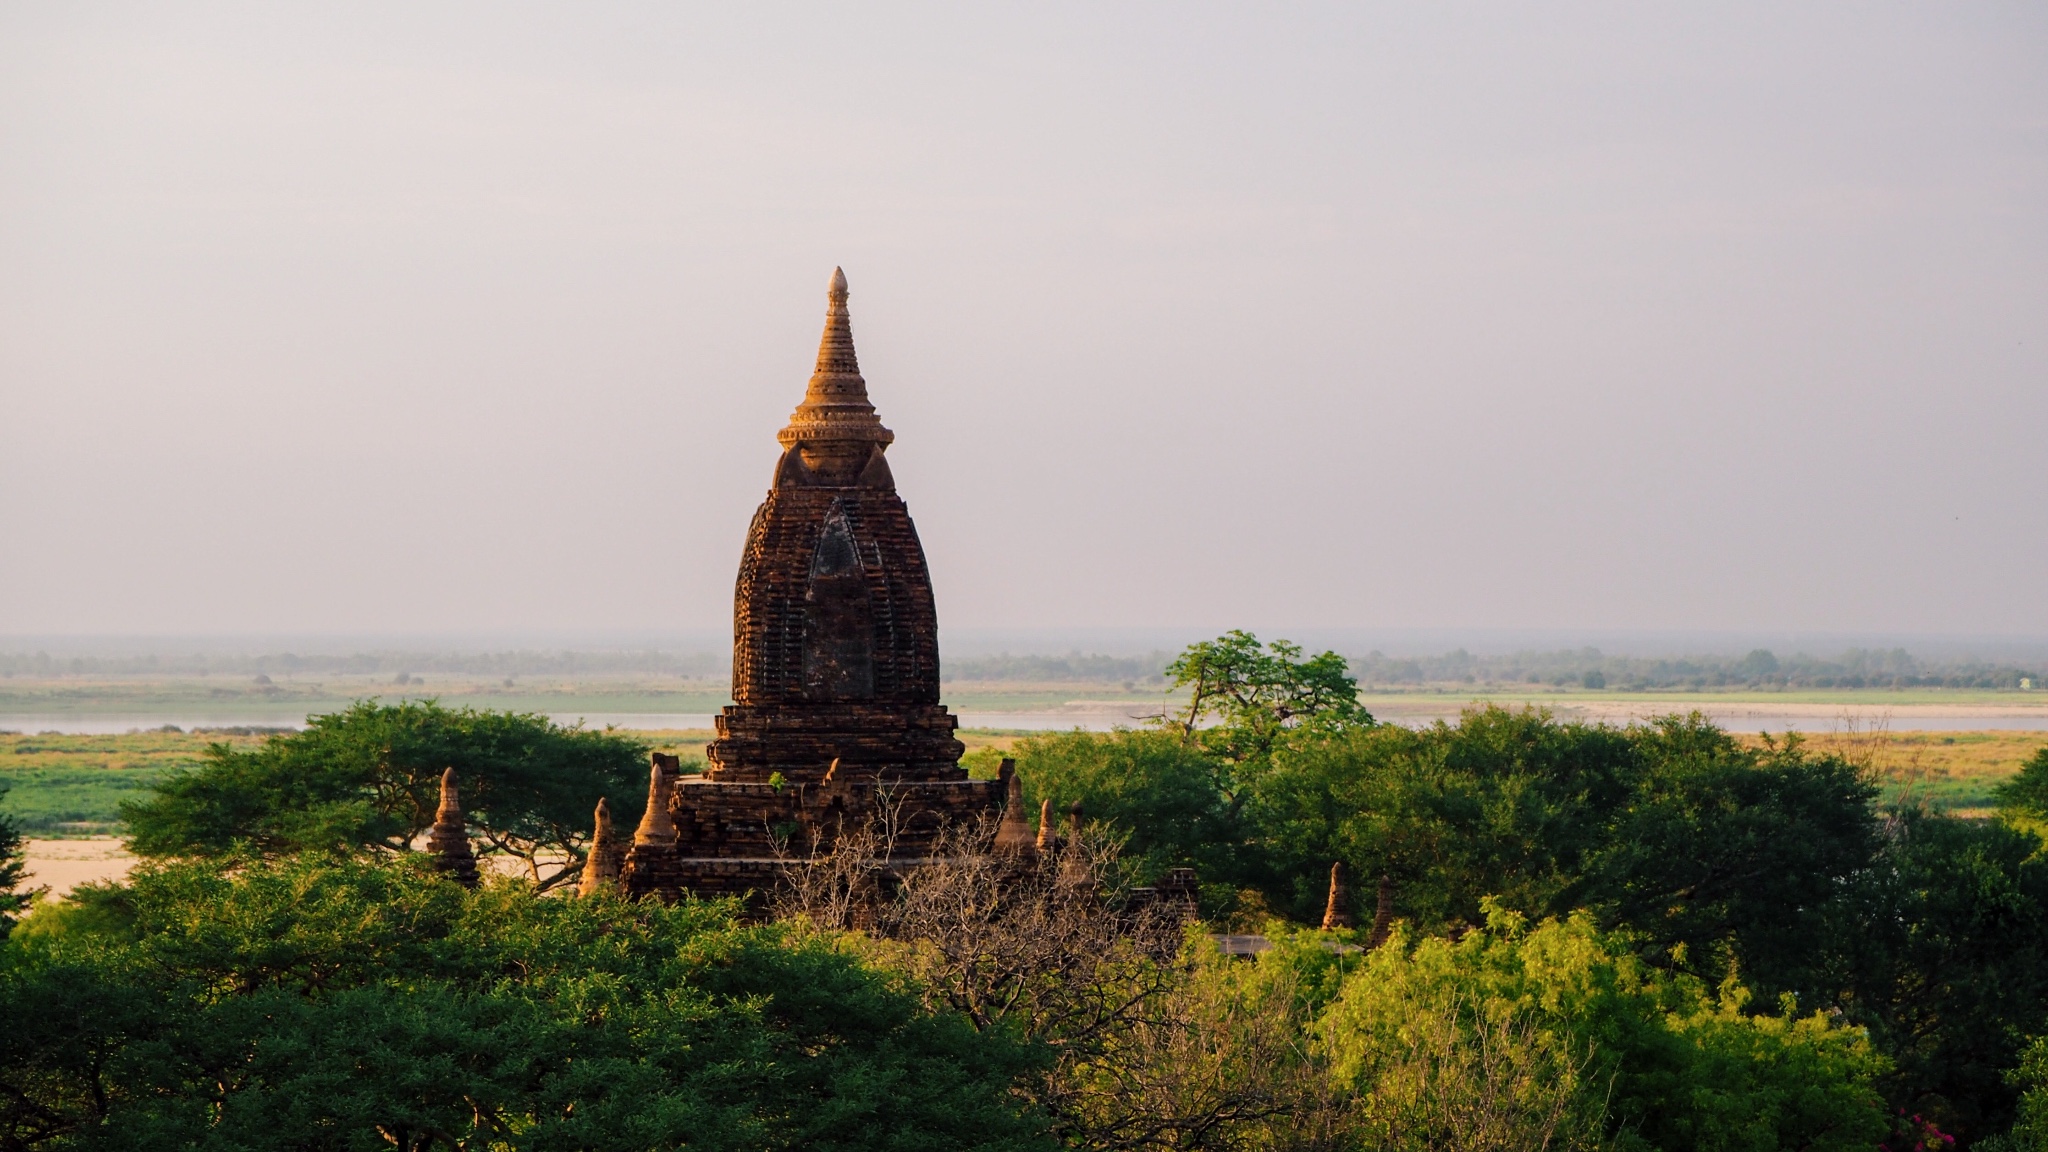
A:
(321, 1004)
(1502, 804)
(1730, 852)
(1155, 790)
(14, 897)
(1561, 1036)
(1672, 829)
(2025, 796)
(2029, 1132)
(1940, 948)
(1257, 694)
(369, 779)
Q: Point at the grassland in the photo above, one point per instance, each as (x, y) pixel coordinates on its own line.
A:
(1950, 770)
(62, 786)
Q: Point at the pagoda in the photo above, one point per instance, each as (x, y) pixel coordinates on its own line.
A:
(835, 720)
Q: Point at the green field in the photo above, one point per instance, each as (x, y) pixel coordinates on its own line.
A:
(1950, 770)
(65, 786)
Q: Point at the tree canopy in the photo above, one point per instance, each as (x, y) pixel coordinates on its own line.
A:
(368, 778)
(1560, 1036)
(1703, 854)
(1255, 692)
(13, 873)
(322, 1003)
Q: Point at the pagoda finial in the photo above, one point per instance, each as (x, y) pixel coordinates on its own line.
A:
(835, 407)
(1047, 834)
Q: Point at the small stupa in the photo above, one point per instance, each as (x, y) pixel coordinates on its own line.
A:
(1013, 831)
(1337, 912)
(601, 867)
(448, 839)
(1383, 914)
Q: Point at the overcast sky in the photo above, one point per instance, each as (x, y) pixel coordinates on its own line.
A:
(437, 317)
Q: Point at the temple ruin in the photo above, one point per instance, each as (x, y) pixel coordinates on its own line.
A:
(836, 720)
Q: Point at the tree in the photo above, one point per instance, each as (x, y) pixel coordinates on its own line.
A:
(368, 779)
(1731, 853)
(1560, 1036)
(2030, 1128)
(1257, 693)
(1147, 1039)
(1503, 804)
(314, 1003)
(2025, 796)
(14, 898)
(1940, 948)
(1155, 790)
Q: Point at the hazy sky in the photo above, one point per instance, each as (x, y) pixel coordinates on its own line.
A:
(451, 317)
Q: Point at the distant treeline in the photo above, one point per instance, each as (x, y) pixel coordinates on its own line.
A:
(1573, 667)
(1073, 666)
(515, 663)
(1760, 668)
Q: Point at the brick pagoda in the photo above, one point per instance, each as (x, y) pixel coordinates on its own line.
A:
(835, 670)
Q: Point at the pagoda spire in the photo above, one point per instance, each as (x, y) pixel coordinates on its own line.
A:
(835, 407)
(838, 367)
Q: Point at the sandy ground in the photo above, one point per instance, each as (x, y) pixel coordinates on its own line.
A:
(65, 864)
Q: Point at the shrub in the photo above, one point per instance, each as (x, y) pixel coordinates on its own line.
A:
(1560, 1036)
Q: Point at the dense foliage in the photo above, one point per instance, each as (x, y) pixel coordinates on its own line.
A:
(14, 896)
(369, 778)
(317, 1003)
(2030, 1133)
(1705, 856)
(1562, 1035)
(1506, 1038)
(2025, 796)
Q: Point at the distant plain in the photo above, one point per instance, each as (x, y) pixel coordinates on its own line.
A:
(64, 702)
